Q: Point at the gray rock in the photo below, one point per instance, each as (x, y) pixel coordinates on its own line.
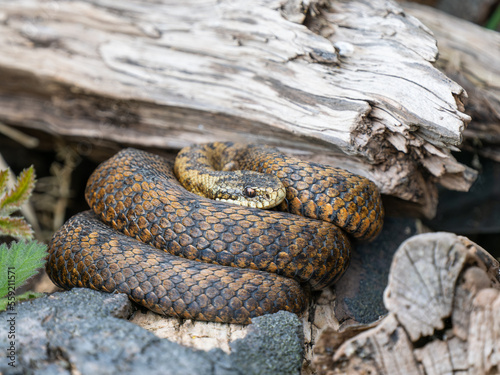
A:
(83, 331)
(272, 346)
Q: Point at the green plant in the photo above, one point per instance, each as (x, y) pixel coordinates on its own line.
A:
(17, 264)
(494, 20)
(22, 259)
(12, 200)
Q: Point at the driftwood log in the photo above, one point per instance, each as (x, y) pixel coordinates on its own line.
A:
(350, 83)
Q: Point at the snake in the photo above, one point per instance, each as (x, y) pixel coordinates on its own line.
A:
(158, 238)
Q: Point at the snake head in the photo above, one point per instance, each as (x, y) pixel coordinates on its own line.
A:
(247, 188)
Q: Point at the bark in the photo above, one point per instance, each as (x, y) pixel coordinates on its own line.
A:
(350, 83)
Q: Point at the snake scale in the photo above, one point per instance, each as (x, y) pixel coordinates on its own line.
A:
(221, 262)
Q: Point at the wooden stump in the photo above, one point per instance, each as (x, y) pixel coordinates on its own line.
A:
(443, 298)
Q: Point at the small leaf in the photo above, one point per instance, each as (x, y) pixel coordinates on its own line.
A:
(21, 192)
(19, 262)
(4, 176)
(15, 227)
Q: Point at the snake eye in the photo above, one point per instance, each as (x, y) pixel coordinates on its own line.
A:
(250, 193)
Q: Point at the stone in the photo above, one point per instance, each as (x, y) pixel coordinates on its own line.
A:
(83, 331)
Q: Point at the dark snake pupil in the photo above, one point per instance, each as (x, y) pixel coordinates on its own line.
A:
(249, 192)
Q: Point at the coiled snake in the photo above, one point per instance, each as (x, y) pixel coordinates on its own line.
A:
(222, 262)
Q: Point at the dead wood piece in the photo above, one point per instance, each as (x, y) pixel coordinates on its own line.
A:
(198, 335)
(421, 295)
(469, 54)
(435, 358)
(354, 85)
(385, 349)
(472, 280)
(483, 349)
(443, 299)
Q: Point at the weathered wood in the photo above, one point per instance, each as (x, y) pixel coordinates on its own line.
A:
(443, 299)
(469, 54)
(422, 295)
(198, 335)
(355, 88)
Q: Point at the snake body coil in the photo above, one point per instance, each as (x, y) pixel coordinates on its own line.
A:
(253, 260)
